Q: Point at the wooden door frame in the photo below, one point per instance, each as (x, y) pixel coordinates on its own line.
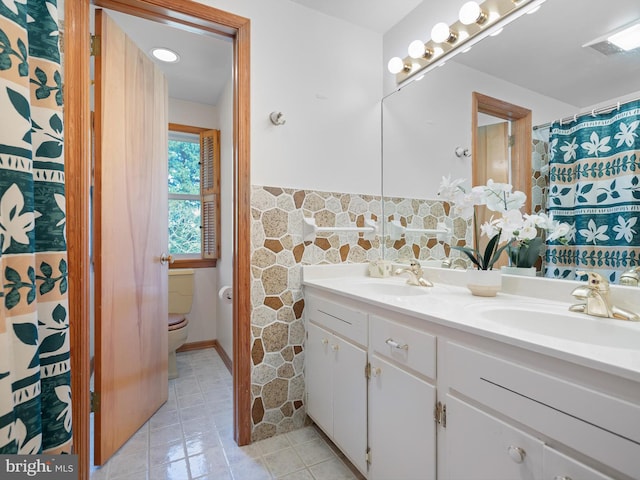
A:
(195, 17)
(521, 151)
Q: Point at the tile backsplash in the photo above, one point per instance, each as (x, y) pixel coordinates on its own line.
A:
(279, 251)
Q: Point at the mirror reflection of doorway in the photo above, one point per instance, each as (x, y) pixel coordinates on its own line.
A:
(501, 135)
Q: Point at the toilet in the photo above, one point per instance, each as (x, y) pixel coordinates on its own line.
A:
(180, 298)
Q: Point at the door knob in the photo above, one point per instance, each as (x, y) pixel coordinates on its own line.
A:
(164, 258)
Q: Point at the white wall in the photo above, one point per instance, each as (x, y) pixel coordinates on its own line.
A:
(324, 75)
(202, 320)
(224, 269)
(193, 114)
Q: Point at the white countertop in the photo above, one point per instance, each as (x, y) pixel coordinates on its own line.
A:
(604, 344)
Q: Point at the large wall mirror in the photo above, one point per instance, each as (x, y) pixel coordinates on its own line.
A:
(554, 62)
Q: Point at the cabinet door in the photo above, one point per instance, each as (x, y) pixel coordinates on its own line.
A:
(402, 431)
(350, 401)
(479, 446)
(319, 377)
(557, 466)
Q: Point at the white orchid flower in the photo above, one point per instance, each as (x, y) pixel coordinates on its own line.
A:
(449, 188)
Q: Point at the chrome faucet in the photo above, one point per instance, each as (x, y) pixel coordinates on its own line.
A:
(415, 274)
(597, 300)
(631, 277)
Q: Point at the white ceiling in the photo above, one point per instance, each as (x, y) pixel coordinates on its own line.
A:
(205, 60)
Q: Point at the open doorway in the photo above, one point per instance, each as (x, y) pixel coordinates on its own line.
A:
(195, 17)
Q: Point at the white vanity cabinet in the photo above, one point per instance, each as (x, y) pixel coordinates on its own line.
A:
(402, 393)
(480, 447)
(563, 410)
(336, 384)
(406, 395)
(558, 466)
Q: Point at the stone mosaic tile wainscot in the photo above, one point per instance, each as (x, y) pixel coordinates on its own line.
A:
(279, 251)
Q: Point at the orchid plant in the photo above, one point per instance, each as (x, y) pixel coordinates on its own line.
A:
(513, 231)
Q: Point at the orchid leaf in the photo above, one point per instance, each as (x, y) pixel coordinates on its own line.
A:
(488, 259)
(471, 253)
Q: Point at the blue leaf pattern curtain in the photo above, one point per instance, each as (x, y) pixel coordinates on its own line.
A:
(595, 188)
(35, 389)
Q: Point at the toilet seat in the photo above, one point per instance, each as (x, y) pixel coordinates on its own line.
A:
(177, 321)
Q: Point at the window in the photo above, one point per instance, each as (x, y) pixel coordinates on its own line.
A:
(194, 195)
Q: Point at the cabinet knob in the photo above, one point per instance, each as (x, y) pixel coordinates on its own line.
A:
(393, 344)
(517, 454)
(325, 341)
(561, 477)
(335, 347)
(376, 371)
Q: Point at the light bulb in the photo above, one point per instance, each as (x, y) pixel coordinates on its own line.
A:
(441, 33)
(417, 49)
(396, 65)
(470, 13)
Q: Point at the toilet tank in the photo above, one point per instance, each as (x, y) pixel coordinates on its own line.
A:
(181, 281)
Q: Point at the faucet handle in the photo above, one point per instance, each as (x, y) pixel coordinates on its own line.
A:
(595, 280)
(631, 277)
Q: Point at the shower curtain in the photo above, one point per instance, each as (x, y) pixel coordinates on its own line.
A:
(594, 182)
(35, 393)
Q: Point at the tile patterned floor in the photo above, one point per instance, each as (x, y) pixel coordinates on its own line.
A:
(191, 437)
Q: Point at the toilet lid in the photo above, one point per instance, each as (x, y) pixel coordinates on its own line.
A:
(177, 320)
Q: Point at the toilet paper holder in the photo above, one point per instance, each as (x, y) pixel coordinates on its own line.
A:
(226, 294)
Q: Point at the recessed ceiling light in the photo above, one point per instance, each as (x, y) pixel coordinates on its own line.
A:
(165, 55)
(627, 39)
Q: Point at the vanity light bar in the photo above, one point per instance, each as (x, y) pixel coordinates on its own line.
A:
(492, 15)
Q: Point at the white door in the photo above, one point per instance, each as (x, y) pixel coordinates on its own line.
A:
(319, 377)
(481, 447)
(350, 400)
(130, 219)
(559, 466)
(402, 432)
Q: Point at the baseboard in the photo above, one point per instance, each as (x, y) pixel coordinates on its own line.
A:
(187, 347)
(223, 355)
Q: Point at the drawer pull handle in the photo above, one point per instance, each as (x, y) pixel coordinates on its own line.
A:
(393, 344)
(335, 347)
(517, 454)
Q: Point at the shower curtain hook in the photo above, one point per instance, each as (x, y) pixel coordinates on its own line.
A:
(618, 105)
(575, 117)
(593, 112)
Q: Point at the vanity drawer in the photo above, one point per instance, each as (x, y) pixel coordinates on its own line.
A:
(405, 345)
(598, 425)
(347, 322)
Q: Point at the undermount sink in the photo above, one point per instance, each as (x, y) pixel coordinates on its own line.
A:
(557, 321)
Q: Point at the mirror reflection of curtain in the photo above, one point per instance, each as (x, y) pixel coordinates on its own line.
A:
(35, 393)
(595, 188)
